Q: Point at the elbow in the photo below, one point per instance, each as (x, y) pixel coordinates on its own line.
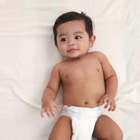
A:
(51, 88)
(112, 76)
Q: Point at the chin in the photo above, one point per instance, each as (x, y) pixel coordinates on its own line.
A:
(73, 57)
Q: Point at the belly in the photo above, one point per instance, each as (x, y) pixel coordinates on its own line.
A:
(85, 95)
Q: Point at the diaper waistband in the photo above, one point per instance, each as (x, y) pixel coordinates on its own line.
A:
(82, 112)
(83, 109)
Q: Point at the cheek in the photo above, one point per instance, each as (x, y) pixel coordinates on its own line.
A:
(84, 43)
(62, 48)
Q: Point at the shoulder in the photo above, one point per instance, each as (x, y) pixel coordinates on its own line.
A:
(58, 66)
(99, 55)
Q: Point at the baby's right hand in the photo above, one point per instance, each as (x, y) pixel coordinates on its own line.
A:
(48, 107)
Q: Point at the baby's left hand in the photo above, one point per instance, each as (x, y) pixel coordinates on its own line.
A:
(109, 100)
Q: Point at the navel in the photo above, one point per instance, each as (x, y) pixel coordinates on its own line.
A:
(86, 102)
(67, 76)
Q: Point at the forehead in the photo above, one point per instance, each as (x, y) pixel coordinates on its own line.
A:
(71, 26)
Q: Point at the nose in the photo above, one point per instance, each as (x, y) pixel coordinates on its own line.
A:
(71, 43)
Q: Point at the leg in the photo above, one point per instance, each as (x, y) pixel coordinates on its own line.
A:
(107, 129)
(62, 129)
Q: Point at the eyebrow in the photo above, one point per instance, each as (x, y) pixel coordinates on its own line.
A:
(73, 33)
(61, 35)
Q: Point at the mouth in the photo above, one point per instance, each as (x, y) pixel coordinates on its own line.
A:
(72, 50)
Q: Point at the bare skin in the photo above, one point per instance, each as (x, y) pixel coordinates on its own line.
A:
(88, 80)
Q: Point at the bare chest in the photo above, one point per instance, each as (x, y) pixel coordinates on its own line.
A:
(80, 72)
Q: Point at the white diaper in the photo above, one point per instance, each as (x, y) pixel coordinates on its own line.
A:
(83, 120)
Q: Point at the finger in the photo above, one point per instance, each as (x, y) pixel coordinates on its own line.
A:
(42, 112)
(101, 102)
(105, 100)
(111, 108)
(114, 108)
(57, 107)
(107, 104)
(52, 112)
(48, 112)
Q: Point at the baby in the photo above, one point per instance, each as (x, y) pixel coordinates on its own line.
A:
(89, 81)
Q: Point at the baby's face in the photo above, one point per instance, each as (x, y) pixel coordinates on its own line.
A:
(72, 39)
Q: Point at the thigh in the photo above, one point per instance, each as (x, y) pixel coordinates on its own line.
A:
(106, 128)
(62, 129)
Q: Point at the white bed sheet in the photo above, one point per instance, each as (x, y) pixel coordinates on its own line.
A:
(27, 55)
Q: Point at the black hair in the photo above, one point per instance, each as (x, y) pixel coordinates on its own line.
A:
(70, 16)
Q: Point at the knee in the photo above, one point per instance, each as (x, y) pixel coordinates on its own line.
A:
(117, 136)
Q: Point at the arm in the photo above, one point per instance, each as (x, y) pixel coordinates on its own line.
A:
(111, 83)
(50, 93)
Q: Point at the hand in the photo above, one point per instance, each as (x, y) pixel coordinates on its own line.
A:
(109, 100)
(48, 107)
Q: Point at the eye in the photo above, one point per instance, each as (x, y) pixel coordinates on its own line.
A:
(63, 39)
(78, 37)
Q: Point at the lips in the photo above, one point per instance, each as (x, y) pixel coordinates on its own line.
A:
(72, 50)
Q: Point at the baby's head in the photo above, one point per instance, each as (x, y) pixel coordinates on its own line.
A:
(73, 34)
(71, 16)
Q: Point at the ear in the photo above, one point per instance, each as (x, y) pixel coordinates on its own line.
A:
(56, 46)
(91, 41)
